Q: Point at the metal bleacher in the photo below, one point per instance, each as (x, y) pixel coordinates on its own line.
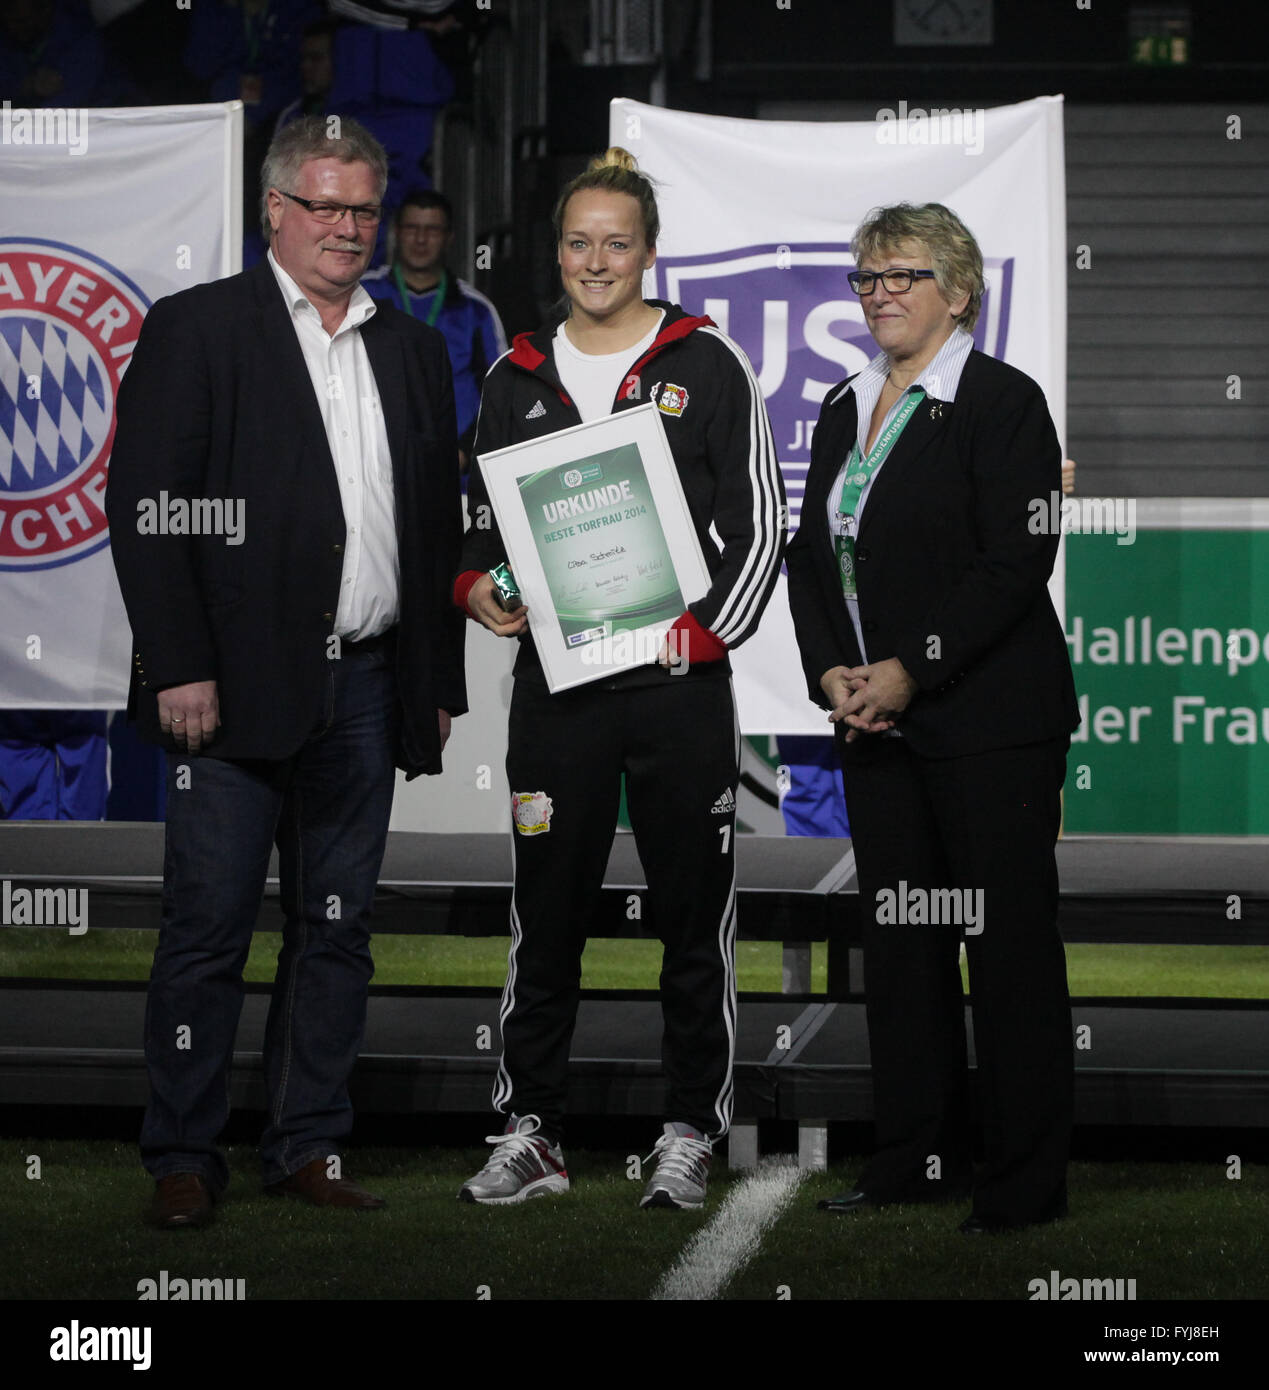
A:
(801, 1056)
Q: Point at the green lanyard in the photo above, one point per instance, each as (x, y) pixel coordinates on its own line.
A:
(856, 479)
(435, 311)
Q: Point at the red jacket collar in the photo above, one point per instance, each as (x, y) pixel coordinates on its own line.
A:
(529, 350)
(524, 354)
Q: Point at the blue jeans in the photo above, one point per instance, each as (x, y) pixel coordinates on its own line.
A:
(327, 809)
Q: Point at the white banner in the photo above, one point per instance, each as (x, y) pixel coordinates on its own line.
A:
(101, 213)
(756, 223)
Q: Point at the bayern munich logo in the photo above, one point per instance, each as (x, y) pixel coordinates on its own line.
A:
(68, 325)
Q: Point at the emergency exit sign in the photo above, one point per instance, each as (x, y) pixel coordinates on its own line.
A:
(1161, 50)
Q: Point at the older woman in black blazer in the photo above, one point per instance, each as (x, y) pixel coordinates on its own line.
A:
(918, 584)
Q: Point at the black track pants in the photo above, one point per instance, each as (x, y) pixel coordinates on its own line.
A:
(984, 824)
(678, 744)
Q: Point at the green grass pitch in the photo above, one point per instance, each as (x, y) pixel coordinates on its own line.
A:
(77, 1232)
(1230, 972)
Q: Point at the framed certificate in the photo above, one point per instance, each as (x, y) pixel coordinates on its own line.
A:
(600, 541)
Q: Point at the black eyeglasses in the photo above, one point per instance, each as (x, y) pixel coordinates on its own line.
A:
(365, 216)
(896, 281)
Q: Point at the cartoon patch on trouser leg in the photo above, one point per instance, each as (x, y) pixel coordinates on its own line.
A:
(531, 812)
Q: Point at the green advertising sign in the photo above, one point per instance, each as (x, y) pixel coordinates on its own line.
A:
(1169, 642)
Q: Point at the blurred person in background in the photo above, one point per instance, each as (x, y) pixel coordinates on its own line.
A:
(419, 282)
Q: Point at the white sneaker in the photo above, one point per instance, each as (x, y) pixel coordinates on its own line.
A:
(682, 1155)
(522, 1165)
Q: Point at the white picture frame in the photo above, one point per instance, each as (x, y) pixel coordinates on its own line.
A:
(600, 599)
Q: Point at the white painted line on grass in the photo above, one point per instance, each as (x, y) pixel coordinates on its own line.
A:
(720, 1249)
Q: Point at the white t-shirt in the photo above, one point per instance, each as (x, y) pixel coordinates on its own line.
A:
(592, 381)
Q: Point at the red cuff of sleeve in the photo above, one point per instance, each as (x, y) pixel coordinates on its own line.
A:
(700, 643)
(463, 586)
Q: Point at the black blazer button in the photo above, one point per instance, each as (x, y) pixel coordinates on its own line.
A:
(862, 554)
(338, 549)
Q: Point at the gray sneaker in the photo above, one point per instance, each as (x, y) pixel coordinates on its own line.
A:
(522, 1165)
(682, 1154)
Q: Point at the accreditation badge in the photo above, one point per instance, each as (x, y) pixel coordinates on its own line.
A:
(846, 565)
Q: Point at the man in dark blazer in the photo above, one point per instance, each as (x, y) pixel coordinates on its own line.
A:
(285, 522)
(946, 672)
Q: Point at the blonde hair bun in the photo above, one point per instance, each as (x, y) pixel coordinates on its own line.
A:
(615, 158)
(614, 171)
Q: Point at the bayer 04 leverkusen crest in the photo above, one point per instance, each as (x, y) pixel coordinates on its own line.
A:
(68, 325)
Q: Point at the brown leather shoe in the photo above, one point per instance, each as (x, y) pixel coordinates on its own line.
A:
(181, 1199)
(311, 1184)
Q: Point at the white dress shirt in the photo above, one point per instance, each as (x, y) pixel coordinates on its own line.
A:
(348, 398)
(939, 379)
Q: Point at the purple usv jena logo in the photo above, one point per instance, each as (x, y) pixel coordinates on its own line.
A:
(790, 308)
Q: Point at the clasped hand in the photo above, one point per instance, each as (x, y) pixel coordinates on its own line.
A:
(868, 698)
